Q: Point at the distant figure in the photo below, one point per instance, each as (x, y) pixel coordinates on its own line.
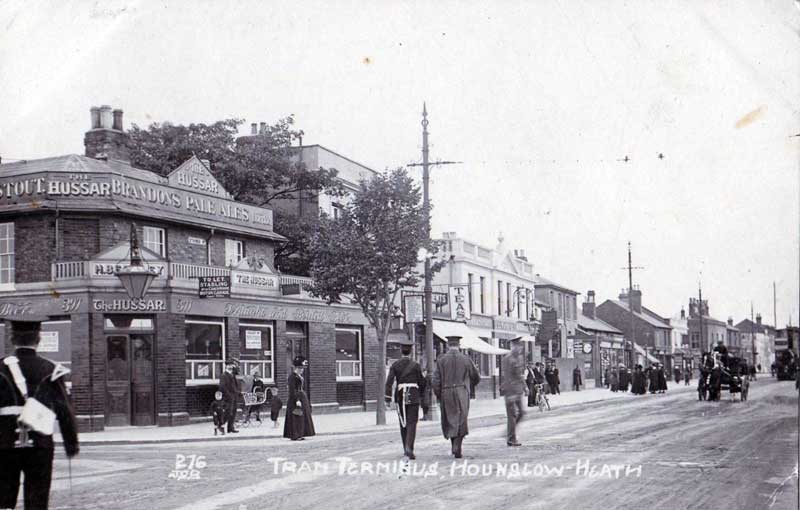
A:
(662, 379)
(258, 387)
(607, 379)
(577, 379)
(687, 375)
(451, 379)
(513, 388)
(535, 378)
(638, 381)
(217, 411)
(275, 406)
(614, 381)
(427, 394)
(624, 379)
(652, 378)
(677, 373)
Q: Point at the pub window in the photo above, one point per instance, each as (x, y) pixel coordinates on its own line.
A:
(257, 348)
(155, 240)
(234, 252)
(348, 354)
(205, 350)
(6, 254)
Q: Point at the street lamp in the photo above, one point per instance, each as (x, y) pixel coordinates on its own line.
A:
(136, 278)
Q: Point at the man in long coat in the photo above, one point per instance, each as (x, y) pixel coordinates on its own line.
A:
(230, 388)
(452, 377)
(577, 380)
(512, 389)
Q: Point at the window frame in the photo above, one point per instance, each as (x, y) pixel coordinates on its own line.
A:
(240, 255)
(360, 364)
(162, 252)
(10, 237)
(244, 361)
(194, 381)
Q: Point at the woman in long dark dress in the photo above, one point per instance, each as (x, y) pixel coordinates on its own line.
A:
(297, 423)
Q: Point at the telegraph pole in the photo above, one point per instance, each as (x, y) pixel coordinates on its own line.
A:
(426, 210)
(700, 314)
(630, 269)
(752, 333)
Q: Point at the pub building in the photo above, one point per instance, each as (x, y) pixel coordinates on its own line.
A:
(65, 238)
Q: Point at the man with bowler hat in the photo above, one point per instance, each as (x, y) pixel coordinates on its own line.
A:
(512, 389)
(452, 377)
(407, 396)
(32, 398)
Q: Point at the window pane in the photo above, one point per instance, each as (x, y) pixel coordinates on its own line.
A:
(204, 341)
(347, 345)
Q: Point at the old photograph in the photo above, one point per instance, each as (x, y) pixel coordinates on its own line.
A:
(399, 254)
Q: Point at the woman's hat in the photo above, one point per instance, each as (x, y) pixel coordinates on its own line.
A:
(300, 361)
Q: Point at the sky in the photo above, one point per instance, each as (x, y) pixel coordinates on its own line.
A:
(541, 102)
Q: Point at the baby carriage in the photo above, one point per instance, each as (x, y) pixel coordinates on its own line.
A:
(253, 400)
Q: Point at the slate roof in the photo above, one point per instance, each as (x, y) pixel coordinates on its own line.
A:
(589, 324)
(648, 316)
(544, 282)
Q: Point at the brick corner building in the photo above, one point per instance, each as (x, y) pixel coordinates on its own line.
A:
(65, 228)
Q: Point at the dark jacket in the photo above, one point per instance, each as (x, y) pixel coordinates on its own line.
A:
(405, 371)
(451, 379)
(45, 383)
(513, 367)
(217, 408)
(577, 379)
(229, 386)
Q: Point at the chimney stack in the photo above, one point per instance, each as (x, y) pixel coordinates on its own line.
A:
(106, 139)
(263, 128)
(683, 314)
(253, 128)
(589, 305)
(758, 319)
(730, 321)
(636, 300)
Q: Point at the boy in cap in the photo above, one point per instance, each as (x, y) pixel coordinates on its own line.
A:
(217, 411)
(32, 397)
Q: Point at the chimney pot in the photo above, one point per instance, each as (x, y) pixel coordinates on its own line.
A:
(253, 128)
(118, 120)
(263, 128)
(106, 120)
(95, 117)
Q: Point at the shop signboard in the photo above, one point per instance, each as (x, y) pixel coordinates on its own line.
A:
(414, 307)
(259, 281)
(459, 309)
(252, 339)
(48, 341)
(214, 286)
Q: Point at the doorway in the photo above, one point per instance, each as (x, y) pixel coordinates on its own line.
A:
(297, 345)
(130, 394)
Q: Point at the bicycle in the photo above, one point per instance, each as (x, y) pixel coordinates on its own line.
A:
(541, 399)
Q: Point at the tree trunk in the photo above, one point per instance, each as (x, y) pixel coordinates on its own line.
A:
(380, 407)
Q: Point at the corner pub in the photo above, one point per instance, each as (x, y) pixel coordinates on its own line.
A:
(65, 230)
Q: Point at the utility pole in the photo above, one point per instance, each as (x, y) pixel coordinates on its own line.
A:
(774, 306)
(700, 314)
(426, 208)
(630, 269)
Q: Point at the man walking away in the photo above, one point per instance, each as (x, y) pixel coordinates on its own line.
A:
(512, 389)
(32, 397)
(452, 376)
(229, 387)
(577, 379)
(407, 396)
(687, 375)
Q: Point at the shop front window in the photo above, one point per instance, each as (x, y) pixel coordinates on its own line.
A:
(205, 350)
(348, 354)
(256, 350)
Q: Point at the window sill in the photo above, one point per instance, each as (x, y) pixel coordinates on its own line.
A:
(201, 382)
(349, 379)
(7, 287)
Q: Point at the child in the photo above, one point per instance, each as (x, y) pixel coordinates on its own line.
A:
(275, 405)
(217, 410)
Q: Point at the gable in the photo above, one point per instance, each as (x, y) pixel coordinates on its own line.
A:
(508, 265)
(194, 176)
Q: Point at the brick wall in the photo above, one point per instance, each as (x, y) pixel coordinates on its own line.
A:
(322, 357)
(372, 359)
(35, 247)
(78, 237)
(198, 399)
(88, 386)
(170, 370)
(350, 393)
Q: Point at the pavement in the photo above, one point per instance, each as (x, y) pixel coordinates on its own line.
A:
(656, 451)
(328, 424)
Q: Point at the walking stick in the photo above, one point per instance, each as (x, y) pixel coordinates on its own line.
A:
(69, 464)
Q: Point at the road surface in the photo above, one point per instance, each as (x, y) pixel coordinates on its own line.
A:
(657, 451)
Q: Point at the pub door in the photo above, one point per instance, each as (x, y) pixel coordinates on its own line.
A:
(130, 395)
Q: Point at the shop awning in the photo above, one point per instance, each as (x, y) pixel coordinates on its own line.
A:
(469, 338)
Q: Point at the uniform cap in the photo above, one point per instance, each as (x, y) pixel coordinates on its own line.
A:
(300, 361)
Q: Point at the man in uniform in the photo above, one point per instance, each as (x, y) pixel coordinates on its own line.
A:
(452, 377)
(577, 379)
(512, 389)
(32, 397)
(229, 386)
(407, 396)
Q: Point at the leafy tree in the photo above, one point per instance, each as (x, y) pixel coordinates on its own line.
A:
(369, 254)
(259, 170)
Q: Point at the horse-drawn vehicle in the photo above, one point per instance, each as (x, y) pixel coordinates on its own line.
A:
(720, 372)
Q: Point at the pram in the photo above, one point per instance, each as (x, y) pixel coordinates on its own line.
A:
(251, 400)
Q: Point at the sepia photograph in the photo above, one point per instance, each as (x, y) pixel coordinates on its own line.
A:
(392, 254)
